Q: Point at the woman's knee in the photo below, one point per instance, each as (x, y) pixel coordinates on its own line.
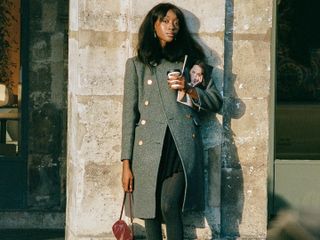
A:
(170, 207)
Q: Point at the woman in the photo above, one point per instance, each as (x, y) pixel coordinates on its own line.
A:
(161, 143)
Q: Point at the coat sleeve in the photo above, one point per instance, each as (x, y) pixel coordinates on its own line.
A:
(209, 98)
(130, 111)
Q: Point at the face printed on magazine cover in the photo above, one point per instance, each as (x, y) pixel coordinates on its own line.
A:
(196, 75)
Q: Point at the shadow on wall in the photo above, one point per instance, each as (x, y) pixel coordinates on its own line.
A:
(232, 196)
(220, 145)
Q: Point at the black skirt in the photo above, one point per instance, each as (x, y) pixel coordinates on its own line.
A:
(170, 160)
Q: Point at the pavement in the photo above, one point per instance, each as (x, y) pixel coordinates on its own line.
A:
(31, 234)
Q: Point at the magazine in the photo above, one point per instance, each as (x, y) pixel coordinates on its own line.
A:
(194, 78)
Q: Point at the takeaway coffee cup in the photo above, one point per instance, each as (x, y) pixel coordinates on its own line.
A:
(174, 72)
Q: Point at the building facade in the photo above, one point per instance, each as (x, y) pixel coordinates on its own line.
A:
(237, 38)
(73, 54)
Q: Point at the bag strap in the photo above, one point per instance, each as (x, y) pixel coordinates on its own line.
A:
(122, 207)
(130, 205)
(130, 208)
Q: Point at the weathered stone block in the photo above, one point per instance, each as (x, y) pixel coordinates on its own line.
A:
(41, 49)
(212, 45)
(29, 220)
(103, 15)
(38, 99)
(98, 135)
(250, 69)
(44, 182)
(97, 199)
(75, 185)
(101, 70)
(211, 11)
(49, 16)
(46, 132)
(74, 18)
(73, 70)
(254, 216)
(251, 135)
(57, 46)
(40, 78)
(58, 85)
(243, 214)
(252, 16)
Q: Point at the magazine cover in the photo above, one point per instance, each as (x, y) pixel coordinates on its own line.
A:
(195, 77)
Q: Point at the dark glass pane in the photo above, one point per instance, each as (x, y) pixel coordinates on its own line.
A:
(298, 80)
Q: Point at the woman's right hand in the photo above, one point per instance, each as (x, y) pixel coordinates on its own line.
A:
(127, 176)
(176, 82)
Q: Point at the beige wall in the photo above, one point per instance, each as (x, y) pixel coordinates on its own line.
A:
(101, 38)
(251, 64)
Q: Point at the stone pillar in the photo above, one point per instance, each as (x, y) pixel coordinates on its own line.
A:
(98, 48)
(246, 118)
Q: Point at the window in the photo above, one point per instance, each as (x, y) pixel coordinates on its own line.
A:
(10, 79)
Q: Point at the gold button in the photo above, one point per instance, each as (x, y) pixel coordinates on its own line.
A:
(149, 82)
(146, 103)
(193, 135)
(143, 122)
(140, 142)
(188, 116)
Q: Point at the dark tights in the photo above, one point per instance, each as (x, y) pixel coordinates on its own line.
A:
(169, 201)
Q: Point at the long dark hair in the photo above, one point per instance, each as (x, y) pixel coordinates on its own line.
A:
(149, 49)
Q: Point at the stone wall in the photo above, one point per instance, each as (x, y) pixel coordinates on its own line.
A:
(48, 25)
(45, 49)
(236, 38)
(246, 118)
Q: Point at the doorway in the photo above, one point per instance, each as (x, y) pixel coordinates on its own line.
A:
(297, 107)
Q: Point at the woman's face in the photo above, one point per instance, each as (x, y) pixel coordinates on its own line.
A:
(167, 28)
(196, 75)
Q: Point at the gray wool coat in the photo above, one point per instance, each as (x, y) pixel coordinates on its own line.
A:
(149, 107)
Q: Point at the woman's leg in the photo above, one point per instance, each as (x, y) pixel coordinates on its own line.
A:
(171, 205)
(153, 229)
(153, 226)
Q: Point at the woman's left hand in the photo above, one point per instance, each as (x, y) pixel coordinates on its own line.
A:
(176, 82)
